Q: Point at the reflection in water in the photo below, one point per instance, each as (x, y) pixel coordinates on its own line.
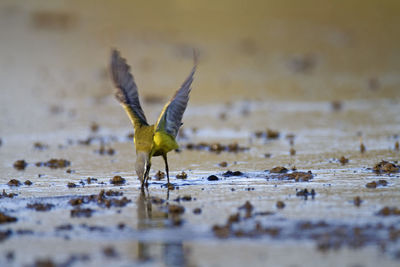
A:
(172, 253)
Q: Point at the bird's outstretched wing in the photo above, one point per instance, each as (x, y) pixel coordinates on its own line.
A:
(171, 116)
(127, 92)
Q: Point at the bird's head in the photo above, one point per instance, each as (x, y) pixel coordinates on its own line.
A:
(142, 160)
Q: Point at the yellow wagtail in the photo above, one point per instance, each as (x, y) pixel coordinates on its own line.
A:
(150, 140)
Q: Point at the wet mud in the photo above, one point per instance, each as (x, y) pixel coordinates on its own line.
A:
(289, 153)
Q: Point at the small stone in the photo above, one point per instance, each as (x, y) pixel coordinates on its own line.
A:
(279, 169)
(117, 180)
(27, 182)
(14, 182)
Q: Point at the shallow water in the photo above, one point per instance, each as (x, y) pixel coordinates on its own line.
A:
(54, 87)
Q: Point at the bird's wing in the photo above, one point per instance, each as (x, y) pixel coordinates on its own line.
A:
(127, 92)
(171, 116)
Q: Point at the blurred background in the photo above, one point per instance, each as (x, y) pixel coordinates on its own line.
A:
(251, 50)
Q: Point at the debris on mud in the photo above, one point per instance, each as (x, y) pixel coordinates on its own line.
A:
(20, 164)
(40, 206)
(14, 182)
(94, 127)
(105, 151)
(362, 148)
(64, 227)
(40, 146)
(278, 169)
(295, 175)
(54, 163)
(5, 234)
(343, 160)
(117, 180)
(159, 175)
(110, 252)
(232, 173)
(175, 209)
(268, 134)
(184, 198)
(336, 105)
(375, 184)
(79, 212)
(357, 201)
(305, 193)
(71, 185)
(388, 211)
(6, 219)
(103, 199)
(9, 195)
(181, 175)
(157, 200)
(212, 178)
(386, 167)
(217, 147)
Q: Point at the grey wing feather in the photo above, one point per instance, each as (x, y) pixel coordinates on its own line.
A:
(127, 92)
(171, 118)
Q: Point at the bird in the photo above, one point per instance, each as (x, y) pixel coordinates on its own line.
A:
(150, 140)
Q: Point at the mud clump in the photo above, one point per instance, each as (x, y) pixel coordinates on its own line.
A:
(175, 209)
(182, 175)
(217, 147)
(40, 206)
(14, 182)
(159, 175)
(343, 160)
(40, 146)
(231, 229)
(386, 167)
(357, 201)
(64, 227)
(6, 219)
(362, 148)
(110, 252)
(78, 212)
(71, 185)
(280, 204)
(232, 173)
(268, 134)
(9, 195)
(5, 234)
(389, 211)
(305, 193)
(212, 178)
(157, 200)
(197, 211)
(295, 175)
(183, 198)
(54, 163)
(375, 184)
(105, 151)
(223, 164)
(278, 169)
(248, 208)
(20, 165)
(117, 180)
(103, 199)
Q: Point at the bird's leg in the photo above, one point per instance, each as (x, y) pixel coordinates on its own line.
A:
(166, 166)
(146, 174)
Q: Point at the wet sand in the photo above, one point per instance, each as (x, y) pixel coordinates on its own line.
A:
(315, 75)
